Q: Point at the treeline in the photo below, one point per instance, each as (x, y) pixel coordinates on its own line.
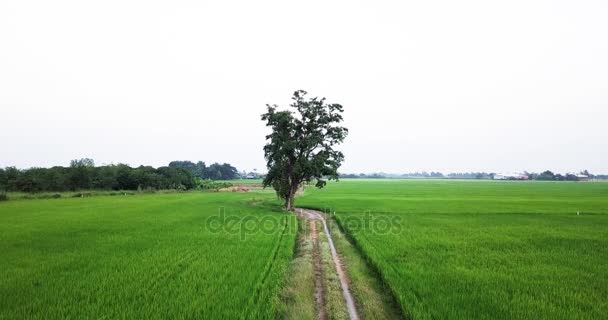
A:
(471, 175)
(550, 176)
(419, 175)
(543, 176)
(215, 171)
(84, 175)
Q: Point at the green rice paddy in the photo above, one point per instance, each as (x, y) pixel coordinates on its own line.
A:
(146, 256)
(444, 249)
(481, 249)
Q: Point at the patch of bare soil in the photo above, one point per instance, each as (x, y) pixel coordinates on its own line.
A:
(234, 189)
(249, 185)
(309, 214)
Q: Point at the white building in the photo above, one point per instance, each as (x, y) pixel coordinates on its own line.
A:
(510, 176)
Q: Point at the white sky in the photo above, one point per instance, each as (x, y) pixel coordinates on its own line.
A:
(427, 85)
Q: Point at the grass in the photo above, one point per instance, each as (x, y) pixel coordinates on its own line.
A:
(146, 256)
(84, 194)
(373, 299)
(480, 249)
(334, 300)
(298, 293)
(298, 298)
(431, 248)
(244, 181)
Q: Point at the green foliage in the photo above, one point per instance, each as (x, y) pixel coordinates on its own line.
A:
(3, 197)
(80, 174)
(224, 171)
(215, 171)
(82, 195)
(83, 175)
(547, 175)
(300, 148)
(481, 249)
(197, 170)
(212, 185)
(141, 257)
(3, 179)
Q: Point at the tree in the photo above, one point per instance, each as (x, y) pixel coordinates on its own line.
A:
(228, 172)
(125, 179)
(224, 171)
(80, 173)
(300, 148)
(198, 170)
(11, 174)
(214, 172)
(177, 178)
(546, 175)
(587, 173)
(3, 180)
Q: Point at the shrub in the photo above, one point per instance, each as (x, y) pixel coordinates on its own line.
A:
(3, 197)
(49, 196)
(82, 195)
(212, 185)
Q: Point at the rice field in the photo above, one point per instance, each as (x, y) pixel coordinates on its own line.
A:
(145, 257)
(480, 249)
(443, 249)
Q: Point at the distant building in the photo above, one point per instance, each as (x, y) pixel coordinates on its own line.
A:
(582, 177)
(252, 175)
(510, 176)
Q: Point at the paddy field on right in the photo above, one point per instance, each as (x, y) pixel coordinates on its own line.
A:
(449, 249)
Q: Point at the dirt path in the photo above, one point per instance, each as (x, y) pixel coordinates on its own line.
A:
(318, 271)
(312, 216)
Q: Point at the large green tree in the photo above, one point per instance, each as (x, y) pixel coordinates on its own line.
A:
(300, 148)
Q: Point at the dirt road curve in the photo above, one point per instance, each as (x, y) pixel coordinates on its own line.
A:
(350, 302)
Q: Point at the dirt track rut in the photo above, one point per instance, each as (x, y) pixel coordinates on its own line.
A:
(313, 216)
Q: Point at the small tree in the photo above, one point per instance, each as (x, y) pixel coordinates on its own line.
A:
(547, 175)
(300, 148)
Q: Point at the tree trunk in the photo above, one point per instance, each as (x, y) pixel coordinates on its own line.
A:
(289, 203)
(290, 199)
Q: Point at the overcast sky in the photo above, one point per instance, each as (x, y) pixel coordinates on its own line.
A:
(426, 85)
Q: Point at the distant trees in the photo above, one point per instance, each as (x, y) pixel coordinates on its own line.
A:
(82, 174)
(224, 171)
(543, 176)
(3, 179)
(215, 171)
(198, 169)
(546, 176)
(587, 173)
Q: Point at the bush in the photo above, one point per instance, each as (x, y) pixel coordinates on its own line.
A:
(212, 185)
(149, 190)
(82, 195)
(49, 196)
(3, 197)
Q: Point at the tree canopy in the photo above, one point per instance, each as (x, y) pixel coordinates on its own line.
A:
(82, 174)
(215, 171)
(300, 147)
